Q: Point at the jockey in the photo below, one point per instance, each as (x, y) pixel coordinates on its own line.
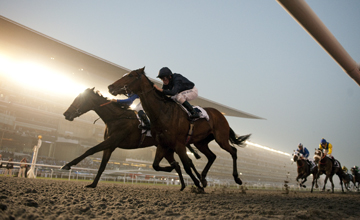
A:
(179, 88)
(139, 109)
(344, 169)
(305, 154)
(356, 168)
(326, 147)
(304, 151)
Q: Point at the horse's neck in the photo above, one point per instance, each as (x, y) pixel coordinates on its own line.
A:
(156, 108)
(109, 112)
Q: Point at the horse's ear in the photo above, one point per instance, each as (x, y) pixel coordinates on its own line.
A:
(142, 70)
(93, 88)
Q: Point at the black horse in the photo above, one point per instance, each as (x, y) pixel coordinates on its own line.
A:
(356, 176)
(121, 131)
(326, 166)
(304, 170)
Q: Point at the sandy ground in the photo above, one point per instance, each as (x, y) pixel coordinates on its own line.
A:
(56, 199)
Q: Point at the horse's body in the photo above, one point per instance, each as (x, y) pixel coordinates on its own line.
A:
(121, 131)
(356, 177)
(171, 125)
(326, 166)
(347, 180)
(303, 170)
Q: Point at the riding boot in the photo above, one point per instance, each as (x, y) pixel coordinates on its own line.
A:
(194, 114)
(144, 119)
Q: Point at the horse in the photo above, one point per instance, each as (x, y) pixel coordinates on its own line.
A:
(347, 179)
(304, 171)
(121, 131)
(356, 177)
(326, 166)
(172, 127)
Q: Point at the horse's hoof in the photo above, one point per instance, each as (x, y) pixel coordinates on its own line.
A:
(65, 167)
(90, 186)
(182, 188)
(238, 181)
(303, 186)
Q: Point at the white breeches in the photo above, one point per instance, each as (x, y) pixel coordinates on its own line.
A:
(138, 107)
(186, 95)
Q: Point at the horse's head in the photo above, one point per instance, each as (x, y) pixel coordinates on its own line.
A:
(81, 104)
(296, 156)
(129, 83)
(318, 155)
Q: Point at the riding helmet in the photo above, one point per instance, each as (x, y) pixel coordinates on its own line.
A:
(323, 141)
(164, 72)
(300, 145)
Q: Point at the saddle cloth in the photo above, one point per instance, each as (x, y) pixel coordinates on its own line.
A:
(336, 163)
(312, 164)
(200, 110)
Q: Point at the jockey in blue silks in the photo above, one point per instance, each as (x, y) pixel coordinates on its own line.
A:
(305, 154)
(303, 150)
(139, 109)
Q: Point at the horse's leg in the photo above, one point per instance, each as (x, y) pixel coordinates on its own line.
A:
(105, 159)
(204, 148)
(313, 182)
(325, 181)
(196, 172)
(341, 182)
(301, 184)
(169, 156)
(100, 147)
(159, 155)
(181, 151)
(223, 140)
(332, 183)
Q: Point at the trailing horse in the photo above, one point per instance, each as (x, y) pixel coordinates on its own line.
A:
(347, 180)
(326, 166)
(171, 125)
(304, 170)
(121, 131)
(356, 176)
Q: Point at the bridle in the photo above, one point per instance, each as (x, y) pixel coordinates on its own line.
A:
(128, 91)
(320, 157)
(77, 109)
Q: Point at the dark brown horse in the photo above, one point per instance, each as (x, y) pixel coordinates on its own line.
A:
(326, 166)
(347, 180)
(121, 131)
(171, 125)
(356, 176)
(304, 171)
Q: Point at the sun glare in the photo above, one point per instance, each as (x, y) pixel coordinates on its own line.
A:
(266, 148)
(37, 77)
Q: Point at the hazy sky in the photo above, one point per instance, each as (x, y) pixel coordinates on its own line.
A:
(249, 55)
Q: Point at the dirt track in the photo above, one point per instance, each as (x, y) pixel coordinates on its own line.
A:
(55, 199)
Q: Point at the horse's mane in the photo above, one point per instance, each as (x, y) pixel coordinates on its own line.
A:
(164, 97)
(116, 104)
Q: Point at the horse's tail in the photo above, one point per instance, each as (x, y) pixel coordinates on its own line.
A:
(238, 140)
